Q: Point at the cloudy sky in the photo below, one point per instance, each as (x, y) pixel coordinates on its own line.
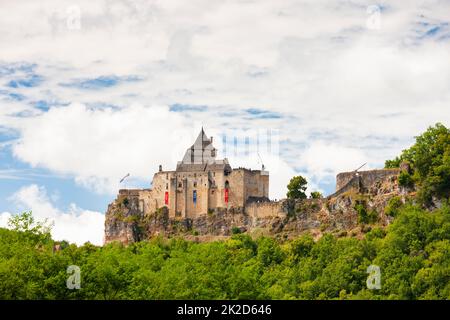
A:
(91, 91)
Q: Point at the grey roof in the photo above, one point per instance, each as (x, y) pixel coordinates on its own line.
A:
(202, 151)
(204, 167)
(202, 141)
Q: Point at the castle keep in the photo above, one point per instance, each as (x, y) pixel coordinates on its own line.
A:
(200, 183)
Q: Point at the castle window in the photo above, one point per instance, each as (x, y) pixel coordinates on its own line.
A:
(167, 176)
(214, 174)
(227, 184)
(167, 186)
(195, 184)
(180, 185)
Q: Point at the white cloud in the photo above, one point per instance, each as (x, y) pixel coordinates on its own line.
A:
(4, 218)
(75, 225)
(324, 159)
(99, 146)
(368, 91)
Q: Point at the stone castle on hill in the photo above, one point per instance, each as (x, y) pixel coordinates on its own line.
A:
(206, 197)
(202, 183)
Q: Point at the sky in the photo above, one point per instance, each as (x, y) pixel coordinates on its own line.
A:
(91, 91)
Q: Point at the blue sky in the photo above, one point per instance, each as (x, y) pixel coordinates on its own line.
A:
(91, 92)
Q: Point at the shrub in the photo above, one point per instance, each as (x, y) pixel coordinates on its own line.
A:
(393, 206)
(316, 195)
(235, 230)
(364, 216)
(405, 180)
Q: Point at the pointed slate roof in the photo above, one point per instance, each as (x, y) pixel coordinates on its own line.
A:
(202, 141)
(202, 151)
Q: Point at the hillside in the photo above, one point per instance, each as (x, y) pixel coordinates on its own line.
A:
(358, 206)
(412, 253)
(397, 220)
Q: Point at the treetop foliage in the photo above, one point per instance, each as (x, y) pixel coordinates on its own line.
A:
(429, 160)
(296, 188)
(413, 255)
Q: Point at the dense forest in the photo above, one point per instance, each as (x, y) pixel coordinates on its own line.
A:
(412, 253)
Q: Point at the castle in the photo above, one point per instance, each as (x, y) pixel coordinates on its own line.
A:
(205, 197)
(200, 184)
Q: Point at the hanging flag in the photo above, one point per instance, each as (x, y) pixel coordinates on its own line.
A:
(166, 198)
(226, 195)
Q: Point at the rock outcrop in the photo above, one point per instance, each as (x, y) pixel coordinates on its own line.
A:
(341, 214)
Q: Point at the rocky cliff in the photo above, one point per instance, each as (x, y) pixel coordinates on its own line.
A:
(357, 207)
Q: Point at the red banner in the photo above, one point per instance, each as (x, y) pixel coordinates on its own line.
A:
(226, 195)
(166, 198)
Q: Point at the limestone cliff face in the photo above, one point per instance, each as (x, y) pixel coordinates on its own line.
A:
(123, 220)
(341, 214)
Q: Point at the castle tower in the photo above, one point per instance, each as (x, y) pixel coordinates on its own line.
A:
(202, 151)
(201, 183)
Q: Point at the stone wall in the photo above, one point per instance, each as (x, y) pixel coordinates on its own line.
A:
(353, 184)
(236, 196)
(367, 178)
(128, 220)
(266, 209)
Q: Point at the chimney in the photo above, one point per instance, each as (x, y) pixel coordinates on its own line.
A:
(211, 139)
(160, 168)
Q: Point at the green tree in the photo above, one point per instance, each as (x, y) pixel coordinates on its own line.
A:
(316, 195)
(412, 253)
(429, 158)
(26, 223)
(395, 163)
(296, 188)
